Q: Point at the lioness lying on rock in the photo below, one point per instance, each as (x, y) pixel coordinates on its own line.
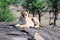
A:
(27, 22)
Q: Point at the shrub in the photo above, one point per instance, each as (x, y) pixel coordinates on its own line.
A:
(5, 13)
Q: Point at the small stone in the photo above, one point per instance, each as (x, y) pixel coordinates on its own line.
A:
(38, 37)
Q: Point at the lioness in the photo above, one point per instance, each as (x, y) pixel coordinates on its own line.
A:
(27, 21)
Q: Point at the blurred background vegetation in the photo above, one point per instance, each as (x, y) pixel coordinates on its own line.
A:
(32, 6)
(5, 13)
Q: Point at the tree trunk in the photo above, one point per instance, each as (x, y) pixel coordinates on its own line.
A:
(55, 11)
(55, 17)
(50, 17)
(39, 13)
(33, 13)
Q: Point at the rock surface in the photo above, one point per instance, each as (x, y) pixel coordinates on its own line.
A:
(11, 33)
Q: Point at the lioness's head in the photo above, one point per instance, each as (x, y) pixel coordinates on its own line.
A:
(25, 14)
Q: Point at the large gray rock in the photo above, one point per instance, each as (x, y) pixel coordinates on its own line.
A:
(5, 37)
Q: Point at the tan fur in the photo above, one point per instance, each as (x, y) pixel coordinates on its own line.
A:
(36, 22)
(29, 21)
